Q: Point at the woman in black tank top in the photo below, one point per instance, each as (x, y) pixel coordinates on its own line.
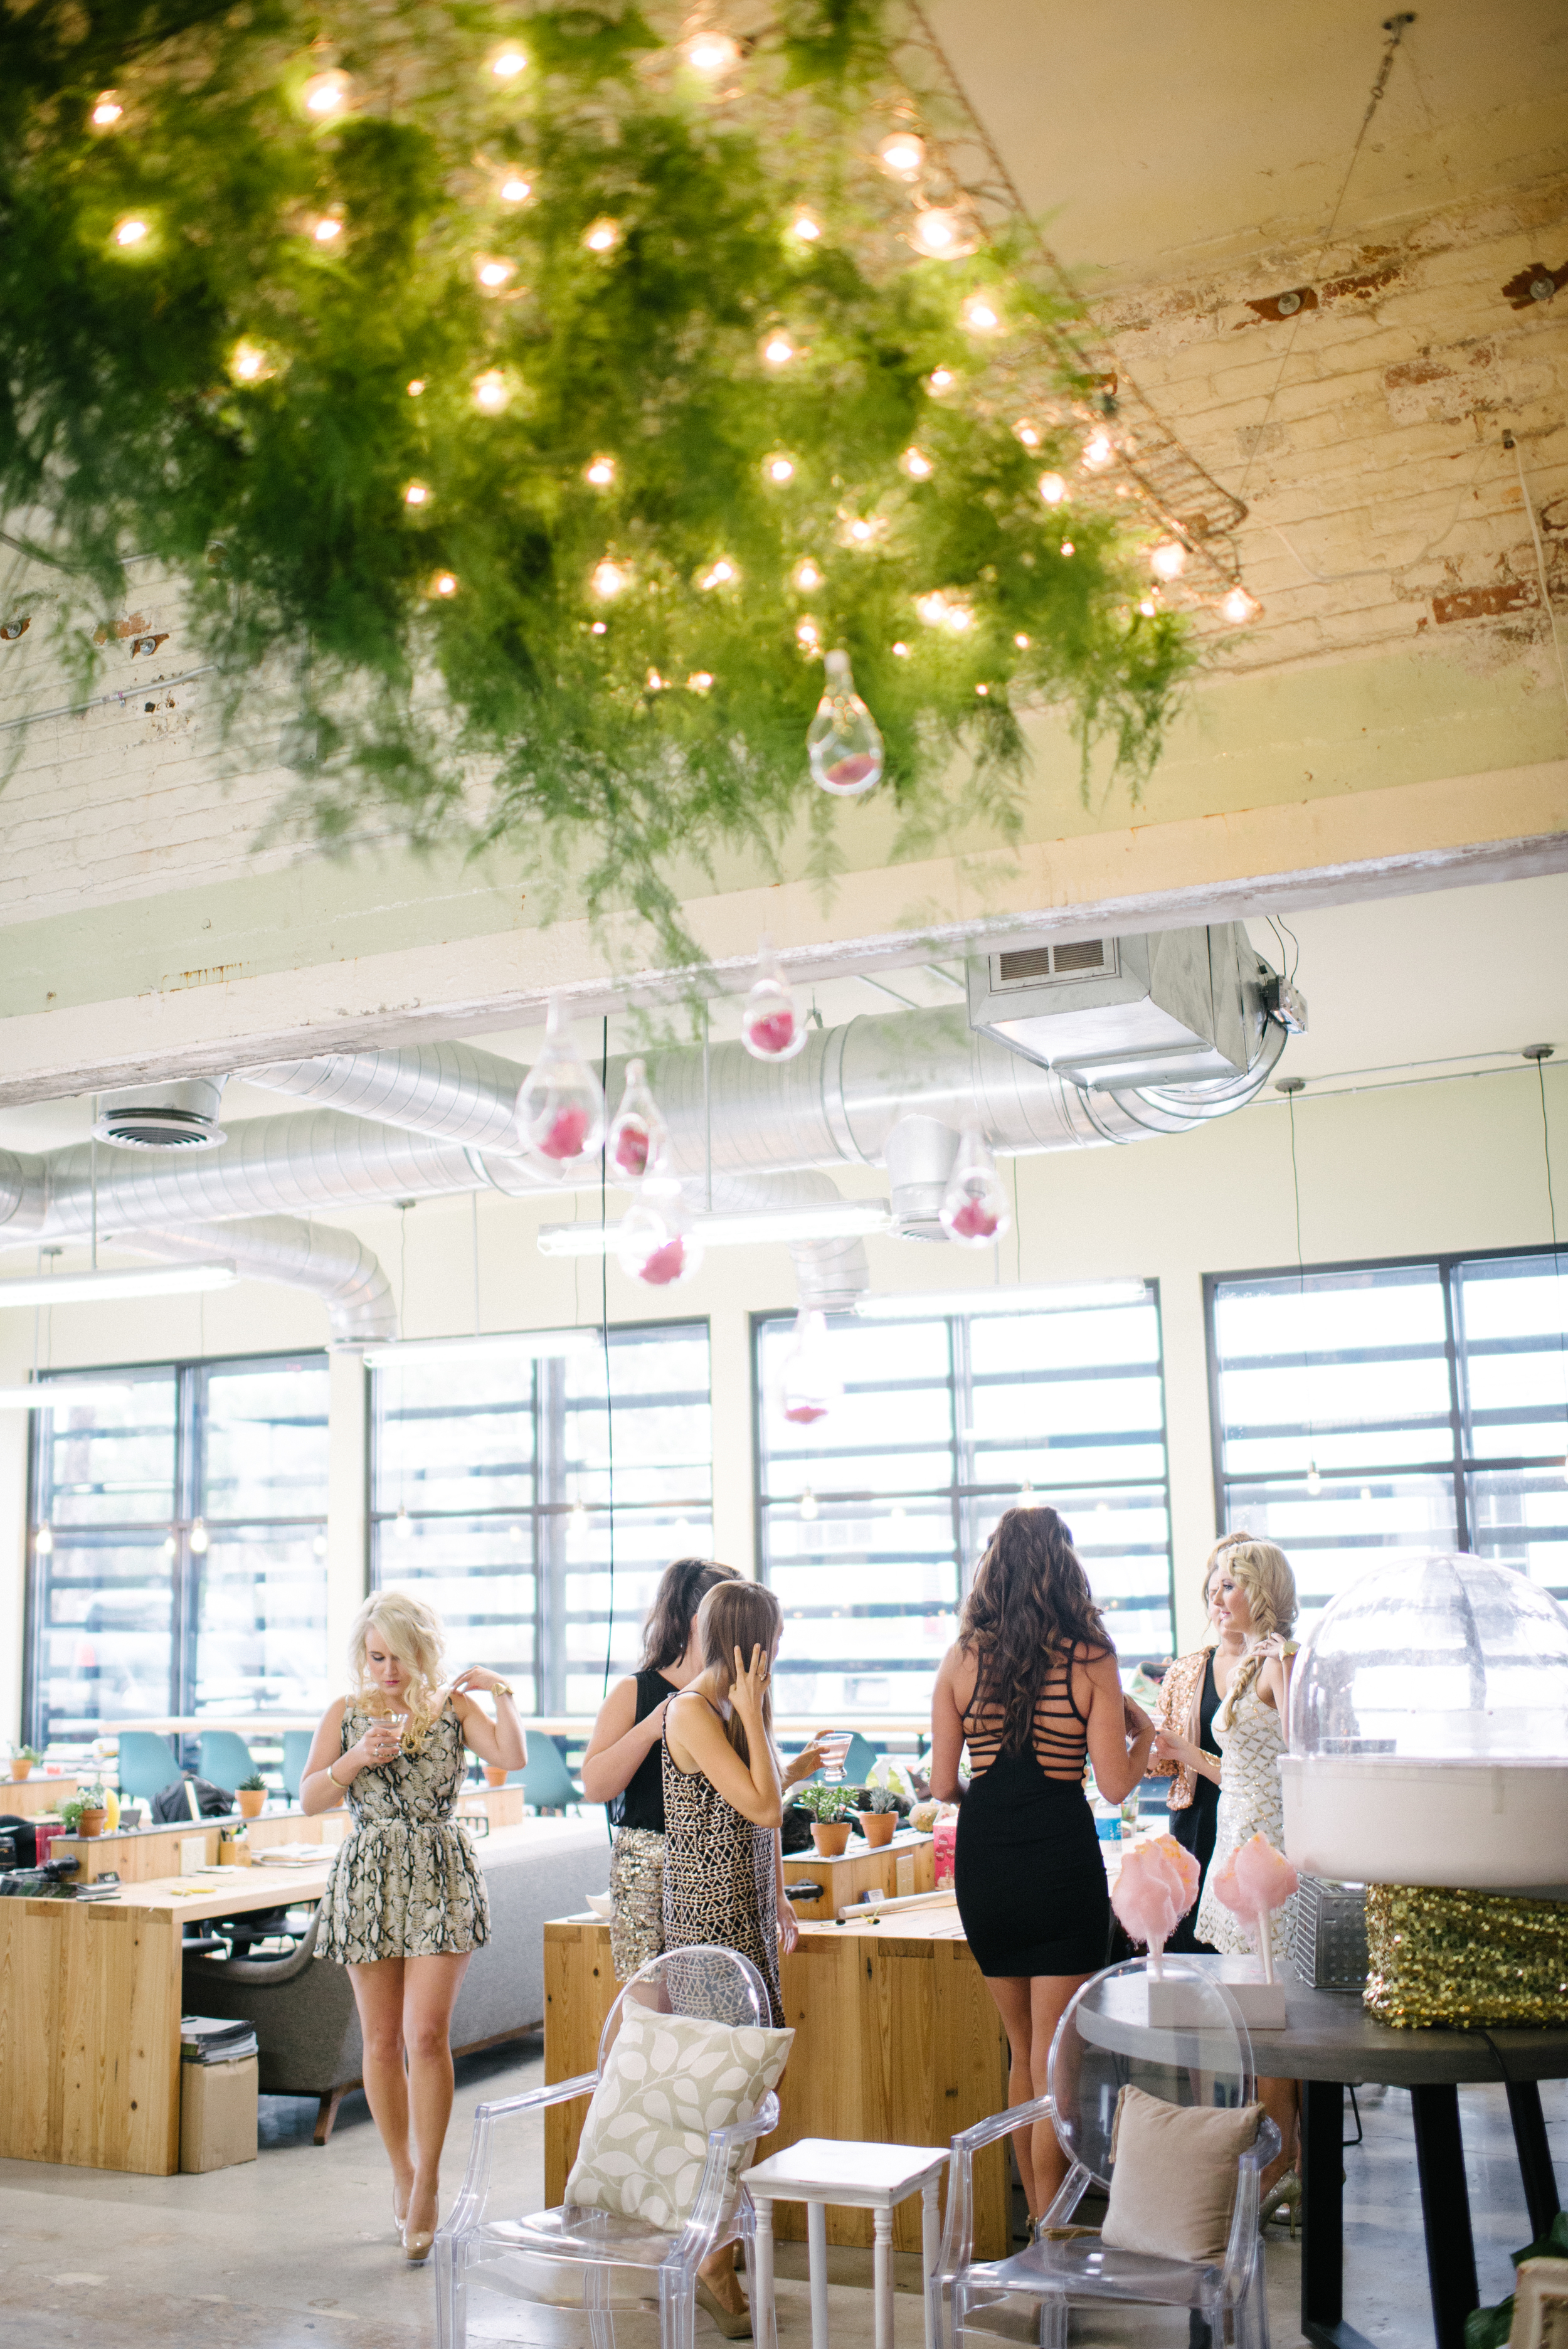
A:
(622, 1767)
(1031, 1689)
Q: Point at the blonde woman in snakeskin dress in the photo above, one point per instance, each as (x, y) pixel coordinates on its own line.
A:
(405, 1905)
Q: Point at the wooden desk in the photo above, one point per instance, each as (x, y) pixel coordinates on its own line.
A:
(906, 1865)
(897, 2042)
(28, 1798)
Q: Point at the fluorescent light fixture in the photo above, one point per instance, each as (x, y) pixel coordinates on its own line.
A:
(104, 1287)
(54, 1394)
(834, 1219)
(511, 1345)
(916, 1305)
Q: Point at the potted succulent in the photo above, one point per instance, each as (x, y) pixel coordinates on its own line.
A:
(877, 1809)
(827, 1808)
(252, 1796)
(86, 1812)
(496, 1773)
(22, 1760)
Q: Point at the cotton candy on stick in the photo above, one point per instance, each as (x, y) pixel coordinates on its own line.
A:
(1253, 1881)
(1152, 1892)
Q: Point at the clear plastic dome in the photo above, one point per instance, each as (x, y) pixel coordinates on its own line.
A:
(1437, 1658)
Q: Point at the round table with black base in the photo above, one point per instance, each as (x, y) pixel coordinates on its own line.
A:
(1329, 2043)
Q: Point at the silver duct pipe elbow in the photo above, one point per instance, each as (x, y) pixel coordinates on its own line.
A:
(451, 1092)
(338, 1268)
(23, 1192)
(830, 1274)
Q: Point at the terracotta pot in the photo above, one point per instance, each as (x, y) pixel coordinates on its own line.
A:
(878, 1826)
(19, 1769)
(253, 1802)
(494, 1774)
(831, 1835)
(91, 1823)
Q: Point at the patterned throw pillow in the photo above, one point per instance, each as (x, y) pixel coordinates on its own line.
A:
(669, 2079)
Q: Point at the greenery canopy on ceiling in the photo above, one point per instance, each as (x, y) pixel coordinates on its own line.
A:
(526, 400)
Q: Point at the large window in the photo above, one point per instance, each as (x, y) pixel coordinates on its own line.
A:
(492, 1487)
(871, 1517)
(178, 1567)
(1385, 1406)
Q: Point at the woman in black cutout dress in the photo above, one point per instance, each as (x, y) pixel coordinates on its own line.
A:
(1031, 1688)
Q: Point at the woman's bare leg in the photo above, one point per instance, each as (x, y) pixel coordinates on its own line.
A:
(430, 1987)
(1049, 1998)
(1010, 1993)
(379, 1992)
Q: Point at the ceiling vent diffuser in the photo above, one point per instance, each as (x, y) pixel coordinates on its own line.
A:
(182, 1116)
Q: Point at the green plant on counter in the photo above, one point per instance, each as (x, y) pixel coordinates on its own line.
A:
(827, 1804)
(255, 1785)
(27, 1753)
(86, 1798)
(877, 1799)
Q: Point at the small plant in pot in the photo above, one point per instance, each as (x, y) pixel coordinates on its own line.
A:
(86, 1812)
(496, 1773)
(827, 1808)
(877, 1808)
(22, 1760)
(251, 1793)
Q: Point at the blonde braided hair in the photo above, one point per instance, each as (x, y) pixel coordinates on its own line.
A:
(1263, 1571)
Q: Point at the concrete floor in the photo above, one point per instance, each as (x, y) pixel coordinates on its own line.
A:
(295, 2250)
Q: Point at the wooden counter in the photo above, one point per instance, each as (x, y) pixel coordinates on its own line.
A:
(143, 1854)
(897, 2040)
(25, 1798)
(905, 1864)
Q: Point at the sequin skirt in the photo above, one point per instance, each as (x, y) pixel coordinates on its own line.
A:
(637, 1898)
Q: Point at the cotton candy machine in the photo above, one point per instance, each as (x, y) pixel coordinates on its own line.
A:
(1428, 1732)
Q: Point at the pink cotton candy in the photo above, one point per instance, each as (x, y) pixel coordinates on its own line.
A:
(1254, 1878)
(1178, 1857)
(1147, 1895)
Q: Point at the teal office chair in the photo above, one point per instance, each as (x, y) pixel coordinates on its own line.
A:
(147, 1765)
(224, 1758)
(296, 1754)
(545, 1781)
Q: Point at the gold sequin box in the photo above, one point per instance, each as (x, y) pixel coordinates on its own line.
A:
(1465, 1959)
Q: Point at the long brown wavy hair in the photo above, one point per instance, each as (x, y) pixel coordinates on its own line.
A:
(744, 1615)
(682, 1589)
(1029, 1607)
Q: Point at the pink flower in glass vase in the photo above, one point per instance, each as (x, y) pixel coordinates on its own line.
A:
(974, 1205)
(770, 1028)
(809, 1385)
(560, 1108)
(638, 1135)
(654, 1240)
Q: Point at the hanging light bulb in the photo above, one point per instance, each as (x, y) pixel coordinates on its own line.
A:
(602, 235)
(560, 1108)
(1027, 1496)
(943, 233)
(494, 271)
(778, 468)
(809, 1385)
(1238, 608)
(198, 1538)
(1098, 451)
(402, 1523)
(318, 1546)
(491, 391)
(638, 1137)
(609, 579)
(600, 472)
(974, 1205)
(808, 1504)
(1313, 1481)
(770, 1029)
(777, 350)
(325, 96)
(507, 63)
(169, 1545)
(805, 226)
(416, 493)
(442, 585)
(1169, 559)
(1053, 488)
(981, 314)
(131, 232)
(712, 53)
(1026, 432)
(916, 464)
(513, 189)
(328, 229)
(248, 362)
(106, 110)
(44, 1541)
(902, 154)
(722, 574)
(939, 381)
(806, 576)
(842, 741)
(655, 1241)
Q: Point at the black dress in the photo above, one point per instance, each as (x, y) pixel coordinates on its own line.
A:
(1194, 1826)
(1027, 1870)
(641, 1801)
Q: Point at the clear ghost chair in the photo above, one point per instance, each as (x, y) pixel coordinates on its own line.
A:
(1201, 2057)
(595, 2260)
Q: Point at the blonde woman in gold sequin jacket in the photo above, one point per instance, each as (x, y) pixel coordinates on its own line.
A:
(1191, 1694)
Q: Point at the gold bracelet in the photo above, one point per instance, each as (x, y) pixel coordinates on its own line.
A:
(502, 1688)
(331, 1767)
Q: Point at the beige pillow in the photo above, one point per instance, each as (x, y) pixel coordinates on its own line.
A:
(669, 2079)
(1174, 2176)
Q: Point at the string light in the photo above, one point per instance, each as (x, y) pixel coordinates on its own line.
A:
(903, 154)
(939, 381)
(656, 682)
(806, 226)
(491, 391)
(808, 1505)
(806, 576)
(700, 681)
(778, 468)
(416, 386)
(402, 1523)
(1148, 606)
(777, 350)
(901, 652)
(248, 363)
(712, 53)
(443, 585)
(808, 635)
(514, 189)
(609, 579)
(130, 232)
(1068, 546)
(1314, 1480)
(602, 235)
(722, 574)
(941, 611)
(325, 95)
(493, 271)
(942, 233)
(1026, 432)
(1169, 559)
(107, 111)
(862, 530)
(327, 229)
(1022, 643)
(598, 629)
(1238, 608)
(982, 689)
(507, 63)
(1053, 488)
(916, 464)
(600, 474)
(416, 493)
(201, 1541)
(1098, 451)
(44, 1541)
(981, 314)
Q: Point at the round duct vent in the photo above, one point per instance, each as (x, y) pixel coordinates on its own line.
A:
(182, 1116)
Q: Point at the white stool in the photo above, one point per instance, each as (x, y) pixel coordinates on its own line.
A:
(822, 2169)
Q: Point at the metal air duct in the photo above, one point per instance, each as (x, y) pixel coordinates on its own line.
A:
(334, 1265)
(175, 1116)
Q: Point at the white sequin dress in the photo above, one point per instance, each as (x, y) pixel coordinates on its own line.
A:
(1251, 1802)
